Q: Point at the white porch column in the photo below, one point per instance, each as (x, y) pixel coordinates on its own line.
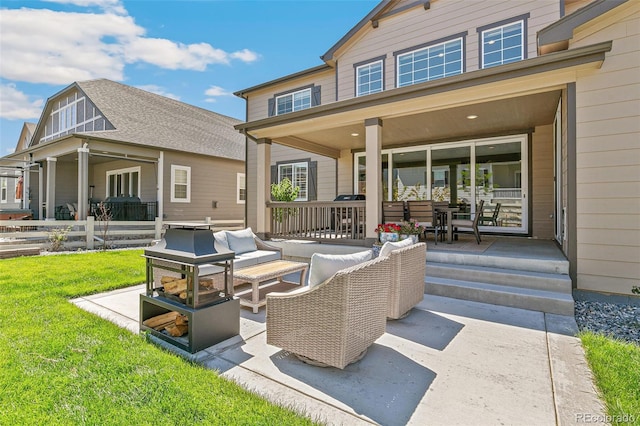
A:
(263, 188)
(51, 188)
(26, 184)
(40, 192)
(83, 182)
(373, 147)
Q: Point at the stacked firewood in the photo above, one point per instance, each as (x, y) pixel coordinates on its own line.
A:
(173, 322)
(175, 286)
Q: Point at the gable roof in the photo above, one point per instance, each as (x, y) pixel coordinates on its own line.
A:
(561, 31)
(144, 118)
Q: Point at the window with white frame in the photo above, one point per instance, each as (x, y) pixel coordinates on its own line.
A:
(294, 101)
(3, 190)
(180, 184)
(503, 44)
(123, 182)
(369, 78)
(241, 186)
(429, 63)
(298, 174)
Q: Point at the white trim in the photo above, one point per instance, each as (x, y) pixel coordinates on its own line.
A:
(295, 167)
(187, 169)
(129, 170)
(241, 183)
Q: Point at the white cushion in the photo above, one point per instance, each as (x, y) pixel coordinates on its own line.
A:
(241, 241)
(324, 266)
(388, 247)
(220, 238)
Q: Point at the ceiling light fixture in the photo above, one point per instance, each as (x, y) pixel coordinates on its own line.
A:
(472, 117)
(355, 134)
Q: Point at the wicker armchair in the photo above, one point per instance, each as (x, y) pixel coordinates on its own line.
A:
(408, 268)
(333, 323)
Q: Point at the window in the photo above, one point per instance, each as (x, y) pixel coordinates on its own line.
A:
(295, 101)
(298, 175)
(180, 184)
(3, 190)
(502, 44)
(242, 188)
(123, 182)
(369, 78)
(429, 63)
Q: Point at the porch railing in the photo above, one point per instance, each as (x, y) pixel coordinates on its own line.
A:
(334, 221)
(507, 193)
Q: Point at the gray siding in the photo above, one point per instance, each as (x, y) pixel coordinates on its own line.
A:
(212, 179)
(148, 178)
(326, 179)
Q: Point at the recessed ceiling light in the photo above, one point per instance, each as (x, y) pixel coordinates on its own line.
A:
(355, 134)
(472, 117)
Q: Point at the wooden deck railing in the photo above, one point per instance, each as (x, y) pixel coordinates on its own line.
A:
(334, 221)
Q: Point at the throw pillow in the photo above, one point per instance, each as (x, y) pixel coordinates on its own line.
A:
(324, 266)
(241, 241)
(220, 238)
(388, 247)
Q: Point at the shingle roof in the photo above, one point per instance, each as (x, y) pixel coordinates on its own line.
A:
(144, 118)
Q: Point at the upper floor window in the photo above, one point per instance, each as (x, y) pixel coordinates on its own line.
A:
(241, 184)
(180, 184)
(295, 101)
(123, 182)
(369, 78)
(298, 175)
(431, 62)
(503, 43)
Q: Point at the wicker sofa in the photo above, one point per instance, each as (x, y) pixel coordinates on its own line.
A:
(334, 322)
(408, 269)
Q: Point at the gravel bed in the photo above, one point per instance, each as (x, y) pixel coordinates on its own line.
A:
(618, 321)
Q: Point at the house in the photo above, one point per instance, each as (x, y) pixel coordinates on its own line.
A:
(532, 105)
(156, 157)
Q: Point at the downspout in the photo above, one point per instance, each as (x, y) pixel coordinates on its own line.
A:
(160, 186)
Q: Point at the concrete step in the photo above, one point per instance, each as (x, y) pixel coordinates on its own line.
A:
(501, 276)
(524, 298)
(518, 261)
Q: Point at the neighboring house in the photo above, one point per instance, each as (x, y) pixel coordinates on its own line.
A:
(104, 141)
(531, 104)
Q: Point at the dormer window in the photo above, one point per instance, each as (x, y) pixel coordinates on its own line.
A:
(503, 42)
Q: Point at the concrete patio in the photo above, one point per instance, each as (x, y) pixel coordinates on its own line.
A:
(449, 362)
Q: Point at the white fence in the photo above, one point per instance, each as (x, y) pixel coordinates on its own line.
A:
(88, 234)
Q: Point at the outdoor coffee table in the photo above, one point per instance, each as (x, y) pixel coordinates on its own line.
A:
(266, 273)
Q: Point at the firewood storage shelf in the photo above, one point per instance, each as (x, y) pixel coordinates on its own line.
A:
(213, 316)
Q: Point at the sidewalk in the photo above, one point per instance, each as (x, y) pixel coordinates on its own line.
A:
(449, 362)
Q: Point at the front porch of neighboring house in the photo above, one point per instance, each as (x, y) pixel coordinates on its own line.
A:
(68, 180)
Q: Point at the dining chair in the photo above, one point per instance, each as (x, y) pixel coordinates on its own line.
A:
(493, 219)
(423, 212)
(469, 223)
(393, 212)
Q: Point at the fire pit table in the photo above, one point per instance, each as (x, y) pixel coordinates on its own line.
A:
(266, 273)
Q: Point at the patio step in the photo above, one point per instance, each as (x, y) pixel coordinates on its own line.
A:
(514, 261)
(501, 276)
(536, 300)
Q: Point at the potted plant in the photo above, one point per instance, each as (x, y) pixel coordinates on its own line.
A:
(411, 229)
(388, 232)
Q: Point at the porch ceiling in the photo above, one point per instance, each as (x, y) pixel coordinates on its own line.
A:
(495, 117)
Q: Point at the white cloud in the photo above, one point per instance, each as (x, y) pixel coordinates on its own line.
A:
(113, 6)
(245, 55)
(215, 91)
(158, 91)
(62, 47)
(15, 105)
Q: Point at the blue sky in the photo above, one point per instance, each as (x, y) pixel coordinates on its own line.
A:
(199, 52)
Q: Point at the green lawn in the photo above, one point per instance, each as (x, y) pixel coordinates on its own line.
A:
(62, 365)
(616, 368)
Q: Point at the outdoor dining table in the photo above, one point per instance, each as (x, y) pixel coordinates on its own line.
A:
(446, 215)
